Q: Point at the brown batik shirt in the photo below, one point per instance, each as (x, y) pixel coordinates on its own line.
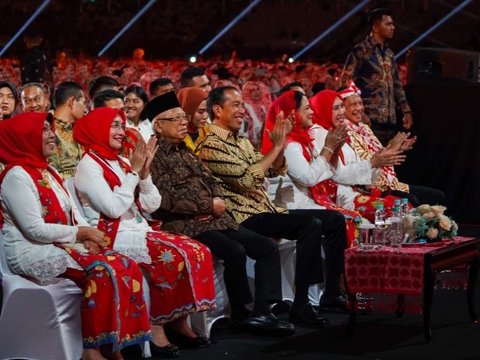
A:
(187, 190)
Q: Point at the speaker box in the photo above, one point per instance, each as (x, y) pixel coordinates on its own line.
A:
(440, 63)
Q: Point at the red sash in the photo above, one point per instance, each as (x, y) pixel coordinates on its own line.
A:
(108, 225)
(52, 211)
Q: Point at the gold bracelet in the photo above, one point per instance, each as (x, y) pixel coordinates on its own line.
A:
(328, 149)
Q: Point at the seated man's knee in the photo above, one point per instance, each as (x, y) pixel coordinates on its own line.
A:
(236, 255)
(338, 218)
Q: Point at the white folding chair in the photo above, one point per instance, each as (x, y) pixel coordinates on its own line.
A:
(38, 322)
(70, 185)
(202, 322)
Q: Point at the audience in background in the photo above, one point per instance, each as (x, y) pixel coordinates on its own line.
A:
(109, 98)
(8, 99)
(195, 77)
(102, 83)
(160, 86)
(194, 102)
(135, 100)
(35, 97)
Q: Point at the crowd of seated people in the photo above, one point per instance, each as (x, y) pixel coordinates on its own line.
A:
(165, 181)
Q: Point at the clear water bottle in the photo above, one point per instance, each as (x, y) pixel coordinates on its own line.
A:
(404, 207)
(380, 226)
(358, 233)
(395, 235)
(404, 210)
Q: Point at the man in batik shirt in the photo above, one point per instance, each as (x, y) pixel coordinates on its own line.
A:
(69, 101)
(371, 65)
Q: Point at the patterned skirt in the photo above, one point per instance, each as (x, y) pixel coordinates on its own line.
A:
(113, 307)
(180, 276)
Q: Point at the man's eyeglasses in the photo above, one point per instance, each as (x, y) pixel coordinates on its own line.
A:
(177, 119)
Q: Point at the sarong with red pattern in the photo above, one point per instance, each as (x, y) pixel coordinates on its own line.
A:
(325, 193)
(366, 205)
(181, 272)
(113, 306)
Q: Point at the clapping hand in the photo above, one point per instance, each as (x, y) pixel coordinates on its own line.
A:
(150, 149)
(387, 157)
(401, 142)
(336, 137)
(282, 127)
(138, 156)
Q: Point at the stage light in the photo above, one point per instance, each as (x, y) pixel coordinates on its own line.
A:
(433, 28)
(126, 27)
(27, 24)
(330, 29)
(291, 60)
(229, 26)
(193, 59)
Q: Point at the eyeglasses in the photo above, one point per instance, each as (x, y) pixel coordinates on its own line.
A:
(117, 125)
(177, 119)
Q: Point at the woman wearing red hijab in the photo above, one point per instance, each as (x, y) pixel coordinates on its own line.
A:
(307, 166)
(115, 194)
(46, 239)
(351, 174)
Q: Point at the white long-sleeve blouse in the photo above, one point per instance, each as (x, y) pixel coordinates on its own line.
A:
(293, 191)
(353, 171)
(97, 197)
(28, 239)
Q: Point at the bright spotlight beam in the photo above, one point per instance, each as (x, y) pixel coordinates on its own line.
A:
(27, 24)
(126, 27)
(229, 26)
(330, 29)
(433, 28)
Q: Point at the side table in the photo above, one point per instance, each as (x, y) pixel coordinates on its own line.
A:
(400, 272)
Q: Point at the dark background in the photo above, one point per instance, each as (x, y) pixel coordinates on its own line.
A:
(179, 28)
(446, 111)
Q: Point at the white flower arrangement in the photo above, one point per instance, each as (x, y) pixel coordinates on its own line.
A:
(429, 223)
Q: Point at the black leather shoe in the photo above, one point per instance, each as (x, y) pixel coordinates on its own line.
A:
(336, 304)
(169, 351)
(268, 324)
(308, 316)
(184, 341)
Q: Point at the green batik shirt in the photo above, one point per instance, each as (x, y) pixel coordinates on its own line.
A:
(68, 152)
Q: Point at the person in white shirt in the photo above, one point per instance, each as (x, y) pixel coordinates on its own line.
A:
(46, 239)
(352, 175)
(135, 100)
(309, 169)
(115, 192)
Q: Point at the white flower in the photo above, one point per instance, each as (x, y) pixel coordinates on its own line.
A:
(408, 225)
(438, 209)
(445, 223)
(429, 215)
(432, 233)
(423, 209)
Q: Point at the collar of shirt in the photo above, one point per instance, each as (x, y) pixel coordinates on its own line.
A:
(222, 133)
(167, 147)
(371, 41)
(64, 125)
(130, 123)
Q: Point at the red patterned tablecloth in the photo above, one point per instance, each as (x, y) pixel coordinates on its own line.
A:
(389, 271)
